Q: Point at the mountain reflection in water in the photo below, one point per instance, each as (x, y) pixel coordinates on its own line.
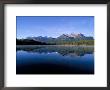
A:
(63, 50)
(54, 59)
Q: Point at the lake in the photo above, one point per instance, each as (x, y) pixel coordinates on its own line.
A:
(54, 59)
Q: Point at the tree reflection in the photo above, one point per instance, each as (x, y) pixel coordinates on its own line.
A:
(63, 50)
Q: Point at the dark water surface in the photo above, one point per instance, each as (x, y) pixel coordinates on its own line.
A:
(51, 59)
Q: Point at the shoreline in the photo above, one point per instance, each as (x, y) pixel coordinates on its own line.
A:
(56, 45)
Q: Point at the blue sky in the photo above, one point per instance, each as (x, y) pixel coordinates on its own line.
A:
(54, 26)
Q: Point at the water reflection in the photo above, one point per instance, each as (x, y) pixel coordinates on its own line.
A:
(50, 59)
(63, 50)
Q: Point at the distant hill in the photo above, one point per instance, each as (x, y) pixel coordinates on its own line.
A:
(28, 42)
(62, 39)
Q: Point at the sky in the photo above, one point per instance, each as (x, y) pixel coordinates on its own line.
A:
(53, 26)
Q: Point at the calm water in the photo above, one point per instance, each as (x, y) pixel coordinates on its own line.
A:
(48, 59)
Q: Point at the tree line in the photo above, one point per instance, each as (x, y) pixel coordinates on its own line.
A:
(52, 42)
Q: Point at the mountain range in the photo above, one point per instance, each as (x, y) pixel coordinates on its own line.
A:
(64, 36)
(62, 39)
